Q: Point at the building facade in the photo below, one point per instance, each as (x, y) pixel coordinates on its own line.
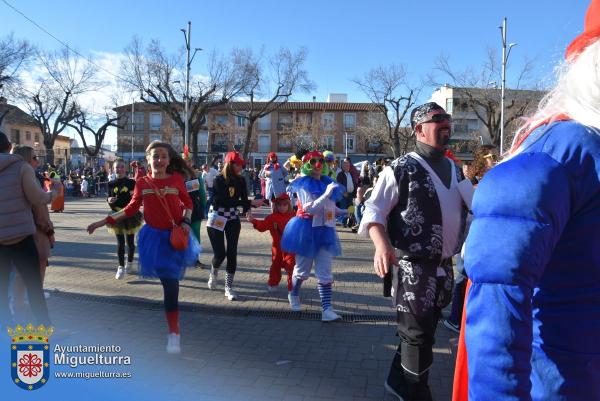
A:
(327, 125)
(22, 129)
(468, 130)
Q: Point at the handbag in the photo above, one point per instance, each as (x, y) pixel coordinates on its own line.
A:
(179, 238)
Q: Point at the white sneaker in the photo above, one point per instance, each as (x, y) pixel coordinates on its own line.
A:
(120, 273)
(46, 294)
(272, 288)
(173, 343)
(128, 266)
(212, 278)
(329, 315)
(230, 294)
(294, 302)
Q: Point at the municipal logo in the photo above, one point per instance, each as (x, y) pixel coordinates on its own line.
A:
(30, 355)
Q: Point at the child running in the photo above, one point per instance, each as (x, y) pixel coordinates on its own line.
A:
(166, 203)
(120, 192)
(275, 223)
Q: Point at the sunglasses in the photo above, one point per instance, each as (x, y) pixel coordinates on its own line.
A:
(438, 118)
(314, 161)
(34, 158)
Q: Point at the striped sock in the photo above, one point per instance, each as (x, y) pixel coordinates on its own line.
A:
(229, 280)
(325, 294)
(296, 284)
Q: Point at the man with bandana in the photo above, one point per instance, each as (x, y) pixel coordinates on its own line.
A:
(416, 220)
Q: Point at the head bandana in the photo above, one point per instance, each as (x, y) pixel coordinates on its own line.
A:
(419, 113)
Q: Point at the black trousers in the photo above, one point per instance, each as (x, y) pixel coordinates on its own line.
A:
(217, 241)
(121, 247)
(24, 257)
(409, 372)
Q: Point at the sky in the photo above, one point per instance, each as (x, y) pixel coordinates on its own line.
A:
(344, 39)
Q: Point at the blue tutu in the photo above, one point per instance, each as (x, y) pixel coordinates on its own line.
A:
(158, 258)
(301, 238)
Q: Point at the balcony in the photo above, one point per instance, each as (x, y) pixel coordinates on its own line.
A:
(218, 147)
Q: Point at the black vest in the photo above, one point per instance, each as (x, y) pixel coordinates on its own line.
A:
(415, 224)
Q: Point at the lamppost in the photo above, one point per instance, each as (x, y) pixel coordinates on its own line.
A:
(187, 35)
(505, 54)
(132, 127)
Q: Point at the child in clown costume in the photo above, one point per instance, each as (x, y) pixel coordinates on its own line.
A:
(311, 234)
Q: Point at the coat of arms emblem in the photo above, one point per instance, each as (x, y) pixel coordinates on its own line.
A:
(30, 355)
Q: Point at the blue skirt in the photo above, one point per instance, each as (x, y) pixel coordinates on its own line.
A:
(159, 259)
(301, 238)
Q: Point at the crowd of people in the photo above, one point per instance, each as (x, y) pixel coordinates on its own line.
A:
(520, 230)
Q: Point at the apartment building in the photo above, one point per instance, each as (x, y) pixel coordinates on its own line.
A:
(329, 125)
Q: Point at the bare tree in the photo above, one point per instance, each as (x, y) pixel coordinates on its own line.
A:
(389, 88)
(159, 78)
(53, 101)
(271, 83)
(82, 125)
(478, 92)
(14, 55)
(375, 132)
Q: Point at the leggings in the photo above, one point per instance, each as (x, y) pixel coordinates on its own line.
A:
(171, 292)
(121, 248)
(217, 241)
(24, 257)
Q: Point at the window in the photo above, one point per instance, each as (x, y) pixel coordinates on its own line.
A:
(349, 120)
(222, 119)
(449, 105)
(155, 137)
(138, 120)
(285, 121)
(15, 136)
(27, 136)
(350, 143)
(155, 121)
(174, 124)
(238, 141)
(304, 119)
(203, 141)
(328, 141)
(328, 121)
(285, 142)
(264, 143)
(37, 137)
(177, 141)
(240, 121)
(264, 123)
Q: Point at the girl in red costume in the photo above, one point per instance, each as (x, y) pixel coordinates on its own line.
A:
(275, 223)
(157, 258)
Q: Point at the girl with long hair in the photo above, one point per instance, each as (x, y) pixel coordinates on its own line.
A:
(163, 195)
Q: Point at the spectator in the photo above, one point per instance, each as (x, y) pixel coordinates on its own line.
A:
(19, 190)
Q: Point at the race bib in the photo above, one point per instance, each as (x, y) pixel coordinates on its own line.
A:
(192, 185)
(215, 221)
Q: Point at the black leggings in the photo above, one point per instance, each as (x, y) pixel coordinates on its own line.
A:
(217, 241)
(171, 291)
(121, 248)
(24, 257)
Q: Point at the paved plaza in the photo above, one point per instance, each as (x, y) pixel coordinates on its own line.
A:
(250, 349)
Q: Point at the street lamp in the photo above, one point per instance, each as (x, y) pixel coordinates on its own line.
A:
(187, 35)
(505, 54)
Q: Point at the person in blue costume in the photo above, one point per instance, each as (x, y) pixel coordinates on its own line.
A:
(311, 234)
(533, 254)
